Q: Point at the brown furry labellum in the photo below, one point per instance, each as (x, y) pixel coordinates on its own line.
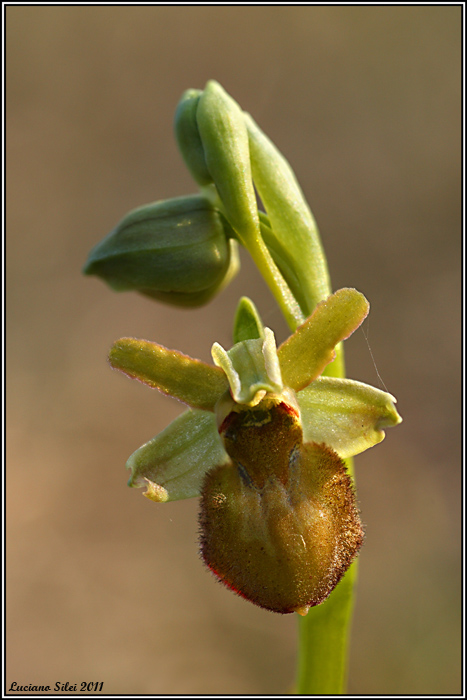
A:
(279, 522)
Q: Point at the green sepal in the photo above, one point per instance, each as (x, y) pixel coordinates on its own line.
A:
(305, 354)
(177, 249)
(346, 415)
(247, 323)
(194, 382)
(252, 368)
(189, 139)
(172, 465)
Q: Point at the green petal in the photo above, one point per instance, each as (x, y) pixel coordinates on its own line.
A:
(195, 383)
(252, 368)
(173, 464)
(305, 354)
(346, 415)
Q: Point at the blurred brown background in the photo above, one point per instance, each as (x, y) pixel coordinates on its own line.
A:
(104, 585)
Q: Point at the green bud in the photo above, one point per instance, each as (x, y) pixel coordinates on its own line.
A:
(177, 251)
(189, 139)
(225, 141)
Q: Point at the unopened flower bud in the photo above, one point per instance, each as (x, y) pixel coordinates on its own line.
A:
(224, 137)
(177, 251)
(189, 139)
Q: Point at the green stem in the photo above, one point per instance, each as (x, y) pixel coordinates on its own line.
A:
(276, 283)
(323, 642)
(324, 631)
(264, 262)
(301, 279)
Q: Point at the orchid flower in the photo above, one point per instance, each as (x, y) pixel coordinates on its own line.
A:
(262, 443)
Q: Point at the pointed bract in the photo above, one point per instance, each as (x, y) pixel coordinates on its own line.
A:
(293, 235)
